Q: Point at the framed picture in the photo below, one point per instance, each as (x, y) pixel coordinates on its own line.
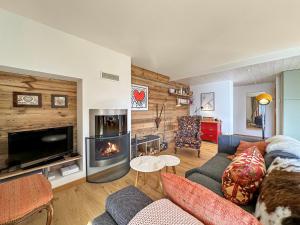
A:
(59, 101)
(139, 97)
(208, 101)
(24, 99)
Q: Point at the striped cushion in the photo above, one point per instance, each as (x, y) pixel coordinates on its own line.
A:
(22, 196)
(163, 212)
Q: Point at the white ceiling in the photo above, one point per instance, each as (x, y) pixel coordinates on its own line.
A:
(179, 38)
(253, 74)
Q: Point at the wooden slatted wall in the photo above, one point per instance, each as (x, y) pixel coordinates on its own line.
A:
(142, 122)
(24, 118)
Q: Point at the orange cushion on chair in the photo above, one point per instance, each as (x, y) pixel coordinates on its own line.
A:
(242, 178)
(204, 204)
(21, 196)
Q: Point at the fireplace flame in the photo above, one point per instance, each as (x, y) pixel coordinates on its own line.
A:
(110, 150)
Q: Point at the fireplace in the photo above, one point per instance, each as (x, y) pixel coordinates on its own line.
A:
(105, 151)
(108, 147)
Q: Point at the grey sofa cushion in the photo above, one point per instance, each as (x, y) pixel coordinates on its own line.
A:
(207, 182)
(104, 219)
(123, 205)
(216, 187)
(213, 168)
(250, 208)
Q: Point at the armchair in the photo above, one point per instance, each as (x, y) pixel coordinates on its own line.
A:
(188, 133)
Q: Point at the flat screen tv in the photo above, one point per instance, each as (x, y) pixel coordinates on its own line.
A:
(28, 148)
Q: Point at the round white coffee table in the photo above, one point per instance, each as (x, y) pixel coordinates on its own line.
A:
(147, 164)
(170, 161)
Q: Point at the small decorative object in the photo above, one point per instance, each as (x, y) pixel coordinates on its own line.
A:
(171, 90)
(164, 146)
(24, 99)
(208, 101)
(207, 118)
(139, 97)
(59, 101)
(158, 117)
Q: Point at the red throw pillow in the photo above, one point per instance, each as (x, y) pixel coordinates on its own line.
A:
(242, 178)
(261, 145)
(204, 204)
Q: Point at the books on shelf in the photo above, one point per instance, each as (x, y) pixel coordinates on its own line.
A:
(51, 176)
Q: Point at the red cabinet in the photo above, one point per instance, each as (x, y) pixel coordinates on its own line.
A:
(210, 131)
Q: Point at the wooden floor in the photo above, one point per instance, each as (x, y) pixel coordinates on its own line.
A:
(79, 204)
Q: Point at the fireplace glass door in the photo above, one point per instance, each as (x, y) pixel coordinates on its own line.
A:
(110, 125)
(104, 152)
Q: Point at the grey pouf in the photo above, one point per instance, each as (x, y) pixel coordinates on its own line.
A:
(122, 206)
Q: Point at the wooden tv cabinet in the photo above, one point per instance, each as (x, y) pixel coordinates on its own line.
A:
(44, 168)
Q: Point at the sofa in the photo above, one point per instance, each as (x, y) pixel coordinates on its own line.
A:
(210, 174)
(123, 205)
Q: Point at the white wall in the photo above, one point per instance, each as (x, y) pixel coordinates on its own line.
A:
(31, 46)
(240, 94)
(223, 102)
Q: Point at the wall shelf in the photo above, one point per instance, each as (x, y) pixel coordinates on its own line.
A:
(181, 96)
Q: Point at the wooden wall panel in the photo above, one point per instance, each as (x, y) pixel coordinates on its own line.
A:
(142, 122)
(24, 118)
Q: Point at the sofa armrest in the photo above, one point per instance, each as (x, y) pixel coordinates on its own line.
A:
(229, 143)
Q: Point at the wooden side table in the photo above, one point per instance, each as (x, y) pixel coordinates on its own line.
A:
(170, 161)
(147, 164)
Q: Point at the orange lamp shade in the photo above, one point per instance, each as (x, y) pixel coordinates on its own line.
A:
(264, 98)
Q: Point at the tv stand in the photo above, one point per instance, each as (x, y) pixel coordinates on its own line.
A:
(46, 162)
(44, 168)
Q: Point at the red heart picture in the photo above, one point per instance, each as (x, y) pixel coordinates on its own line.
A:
(139, 95)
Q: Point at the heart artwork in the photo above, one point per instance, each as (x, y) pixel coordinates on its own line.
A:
(139, 95)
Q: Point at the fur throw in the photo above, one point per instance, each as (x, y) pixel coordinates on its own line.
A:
(279, 198)
(285, 144)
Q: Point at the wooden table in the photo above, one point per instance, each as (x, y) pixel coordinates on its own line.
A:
(147, 164)
(170, 161)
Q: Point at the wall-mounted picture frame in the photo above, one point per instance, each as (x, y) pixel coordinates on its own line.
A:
(207, 101)
(59, 101)
(25, 99)
(139, 97)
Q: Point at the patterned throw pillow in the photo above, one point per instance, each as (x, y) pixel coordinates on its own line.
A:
(242, 178)
(204, 204)
(261, 146)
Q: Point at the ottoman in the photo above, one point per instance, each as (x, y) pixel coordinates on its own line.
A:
(122, 206)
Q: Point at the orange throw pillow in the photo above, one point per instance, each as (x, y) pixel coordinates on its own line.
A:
(242, 178)
(204, 204)
(261, 145)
